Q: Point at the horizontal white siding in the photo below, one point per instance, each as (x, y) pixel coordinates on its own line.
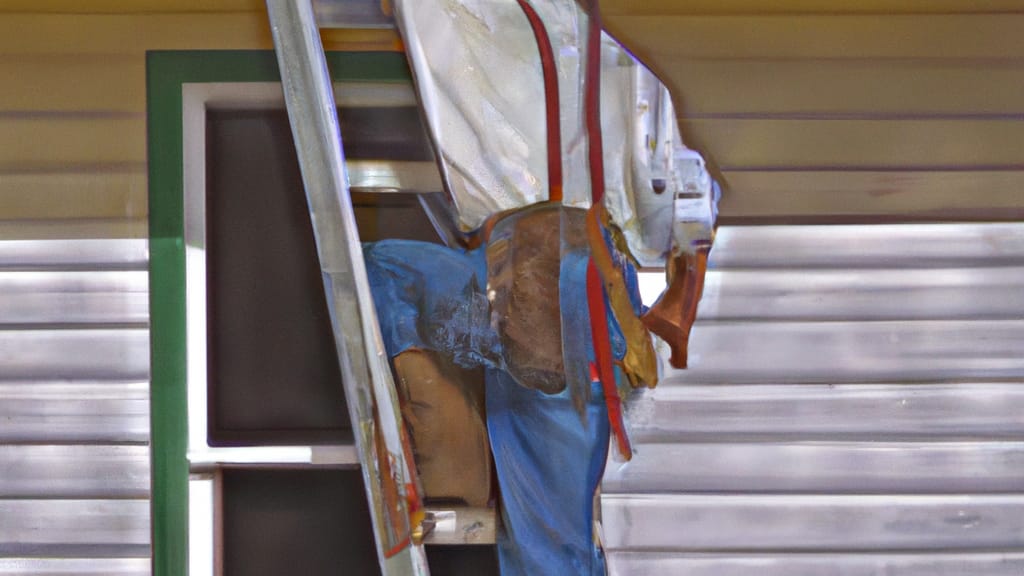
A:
(854, 406)
(74, 403)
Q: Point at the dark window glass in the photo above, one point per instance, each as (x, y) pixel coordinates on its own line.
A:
(272, 367)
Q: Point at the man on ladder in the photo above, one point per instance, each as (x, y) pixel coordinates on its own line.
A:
(562, 158)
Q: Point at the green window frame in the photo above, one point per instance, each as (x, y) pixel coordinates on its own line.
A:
(166, 72)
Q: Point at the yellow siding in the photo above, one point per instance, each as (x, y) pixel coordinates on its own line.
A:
(99, 194)
(746, 144)
(64, 142)
(827, 107)
(813, 37)
(801, 196)
(816, 87)
(610, 7)
(72, 108)
(73, 82)
(678, 7)
(870, 109)
(131, 6)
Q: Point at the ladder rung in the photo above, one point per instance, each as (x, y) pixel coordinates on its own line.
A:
(351, 14)
(392, 176)
(461, 525)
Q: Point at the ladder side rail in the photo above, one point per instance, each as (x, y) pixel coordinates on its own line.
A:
(369, 386)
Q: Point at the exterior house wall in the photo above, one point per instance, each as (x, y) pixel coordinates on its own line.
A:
(72, 105)
(855, 403)
(811, 110)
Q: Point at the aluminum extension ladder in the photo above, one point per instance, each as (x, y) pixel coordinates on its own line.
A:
(369, 386)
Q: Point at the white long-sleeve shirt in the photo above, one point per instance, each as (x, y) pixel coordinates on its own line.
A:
(478, 74)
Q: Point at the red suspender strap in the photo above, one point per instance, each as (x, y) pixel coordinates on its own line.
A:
(552, 105)
(603, 354)
(595, 285)
(592, 104)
